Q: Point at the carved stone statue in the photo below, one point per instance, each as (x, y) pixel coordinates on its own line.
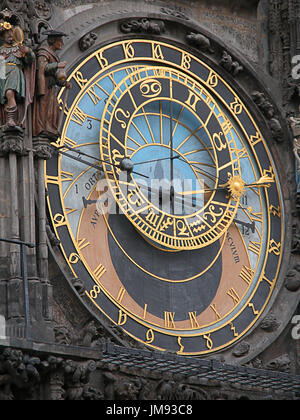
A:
(17, 75)
(50, 74)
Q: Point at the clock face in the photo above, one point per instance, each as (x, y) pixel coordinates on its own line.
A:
(166, 199)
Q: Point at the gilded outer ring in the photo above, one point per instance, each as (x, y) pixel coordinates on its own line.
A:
(252, 140)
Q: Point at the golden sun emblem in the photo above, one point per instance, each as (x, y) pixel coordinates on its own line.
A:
(236, 186)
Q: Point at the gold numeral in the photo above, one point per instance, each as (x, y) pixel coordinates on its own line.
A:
(157, 53)
(122, 318)
(102, 60)
(74, 258)
(254, 247)
(236, 106)
(212, 79)
(255, 312)
(128, 50)
(276, 211)
(78, 77)
(234, 295)
(169, 319)
(233, 329)
(274, 247)
(209, 343)
(214, 308)
(59, 220)
(121, 294)
(93, 95)
(94, 292)
(179, 341)
(66, 176)
(186, 61)
(99, 271)
(254, 140)
(149, 337)
(78, 116)
(247, 274)
(193, 320)
(83, 243)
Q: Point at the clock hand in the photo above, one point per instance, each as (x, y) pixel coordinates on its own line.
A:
(156, 160)
(78, 159)
(245, 224)
(126, 166)
(208, 190)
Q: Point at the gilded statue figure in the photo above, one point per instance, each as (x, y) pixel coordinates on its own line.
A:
(17, 75)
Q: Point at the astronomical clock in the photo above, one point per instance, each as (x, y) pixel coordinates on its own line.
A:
(166, 187)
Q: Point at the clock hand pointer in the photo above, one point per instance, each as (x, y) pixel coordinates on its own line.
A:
(156, 160)
(126, 168)
(251, 226)
(245, 224)
(78, 159)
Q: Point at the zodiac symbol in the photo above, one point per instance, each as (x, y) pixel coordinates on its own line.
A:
(150, 88)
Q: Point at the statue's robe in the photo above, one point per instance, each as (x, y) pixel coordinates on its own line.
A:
(46, 107)
(18, 75)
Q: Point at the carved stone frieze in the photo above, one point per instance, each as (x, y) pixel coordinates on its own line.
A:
(199, 41)
(292, 281)
(281, 364)
(229, 64)
(268, 111)
(87, 41)
(270, 323)
(241, 349)
(147, 26)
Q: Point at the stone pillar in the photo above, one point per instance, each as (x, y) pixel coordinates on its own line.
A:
(42, 152)
(11, 147)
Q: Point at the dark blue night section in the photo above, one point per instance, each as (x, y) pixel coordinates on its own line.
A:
(171, 55)
(247, 123)
(54, 194)
(52, 167)
(114, 54)
(141, 49)
(260, 298)
(162, 295)
(263, 156)
(199, 70)
(271, 269)
(224, 92)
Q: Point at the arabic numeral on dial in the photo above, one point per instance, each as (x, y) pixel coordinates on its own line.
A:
(89, 124)
(245, 230)
(94, 292)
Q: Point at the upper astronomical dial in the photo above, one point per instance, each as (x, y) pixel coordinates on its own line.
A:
(173, 129)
